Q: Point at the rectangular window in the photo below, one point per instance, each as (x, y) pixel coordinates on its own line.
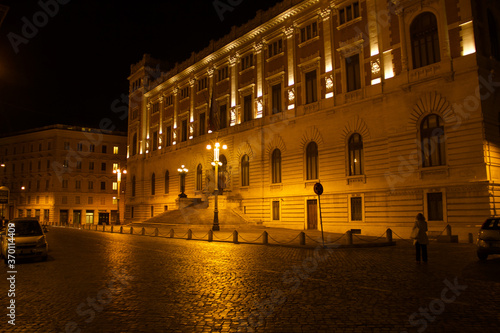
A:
(115, 186)
(202, 84)
(311, 87)
(65, 183)
(91, 165)
(276, 98)
(89, 215)
(155, 108)
(103, 185)
(92, 148)
(202, 123)
(185, 92)
(79, 147)
(275, 48)
(104, 149)
(247, 108)
(223, 116)
(78, 165)
(66, 145)
(91, 185)
(435, 206)
(308, 32)
(353, 76)
(169, 136)
(348, 13)
(46, 214)
(155, 140)
(78, 184)
(356, 209)
(223, 73)
(115, 150)
(169, 100)
(276, 210)
(103, 166)
(47, 182)
(184, 130)
(247, 62)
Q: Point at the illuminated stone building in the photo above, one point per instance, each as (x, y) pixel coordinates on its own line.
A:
(62, 174)
(389, 104)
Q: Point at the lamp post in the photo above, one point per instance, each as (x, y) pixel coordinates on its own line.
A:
(183, 171)
(216, 163)
(119, 173)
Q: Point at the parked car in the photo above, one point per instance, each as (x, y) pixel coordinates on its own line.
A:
(488, 239)
(29, 239)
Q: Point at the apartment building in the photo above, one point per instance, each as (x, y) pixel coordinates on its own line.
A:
(63, 174)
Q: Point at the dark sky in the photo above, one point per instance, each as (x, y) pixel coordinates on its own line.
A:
(73, 60)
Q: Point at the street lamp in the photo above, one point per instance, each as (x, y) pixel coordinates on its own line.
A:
(183, 171)
(119, 173)
(216, 163)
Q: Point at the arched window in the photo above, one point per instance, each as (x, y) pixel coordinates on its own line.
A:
(355, 148)
(245, 171)
(133, 186)
(432, 140)
(167, 182)
(199, 177)
(153, 185)
(134, 144)
(276, 166)
(312, 161)
(424, 40)
(221, 182)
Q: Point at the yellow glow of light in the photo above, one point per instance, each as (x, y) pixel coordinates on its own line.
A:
(329, 95)
(224, 147)
(376, 81)
(388, 67)
(209, 147)
(291, 106)
(467, 33)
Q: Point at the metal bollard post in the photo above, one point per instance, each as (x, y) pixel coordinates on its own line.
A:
(265, 238)
(349, 237)
(471, 238)
(190, 234)
(156, 232)
(389, 235)
(95, 228)
(143, 232)
(210, 235)
(302, 238)
(111, 229)
(172, 233)
(235, 237)
(131, 230)
(448, 230)
(103, 228)
(121, 230)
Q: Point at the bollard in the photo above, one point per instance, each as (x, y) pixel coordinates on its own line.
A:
(349, 237)
(235, 237)
(190, 234)
(302, 238)
(171, 233)
(131, 230)
(389, 235)
(210, 235)
(103, 228)
(265, 238)
(471, 237)
(121, 230)
(156, 231)
(111, 229)
(448, 230)
(143, 232)
(95, 228)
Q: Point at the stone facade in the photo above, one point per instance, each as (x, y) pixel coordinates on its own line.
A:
(389, 104)
(63, 174)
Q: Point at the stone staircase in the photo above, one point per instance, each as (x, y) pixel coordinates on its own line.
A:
(199, 214)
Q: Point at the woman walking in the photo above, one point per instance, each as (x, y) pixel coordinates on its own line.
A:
(420, 239)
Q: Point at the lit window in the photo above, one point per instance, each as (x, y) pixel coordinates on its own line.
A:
(312, 161)
(115, 150)
(355, 147)
(432, 141)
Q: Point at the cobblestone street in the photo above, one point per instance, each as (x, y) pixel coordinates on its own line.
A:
(103, 282)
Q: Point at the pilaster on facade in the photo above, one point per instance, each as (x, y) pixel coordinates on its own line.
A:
(258, 47)
(176, 112)
(233, 66)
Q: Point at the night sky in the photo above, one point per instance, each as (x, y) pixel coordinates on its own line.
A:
(69, 64)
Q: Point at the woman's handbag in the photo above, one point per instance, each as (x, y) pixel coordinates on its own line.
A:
(414, 233)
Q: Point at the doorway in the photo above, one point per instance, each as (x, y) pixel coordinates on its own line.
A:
(312, 214)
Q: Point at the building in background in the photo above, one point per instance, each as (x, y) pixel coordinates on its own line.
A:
(63, 174)
(391, 105)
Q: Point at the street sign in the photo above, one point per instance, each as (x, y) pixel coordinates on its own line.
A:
(318, 189)
(4, 195)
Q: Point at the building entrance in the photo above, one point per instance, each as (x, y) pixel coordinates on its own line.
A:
(312, 214)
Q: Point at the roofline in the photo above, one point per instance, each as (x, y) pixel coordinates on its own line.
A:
(65, 128)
